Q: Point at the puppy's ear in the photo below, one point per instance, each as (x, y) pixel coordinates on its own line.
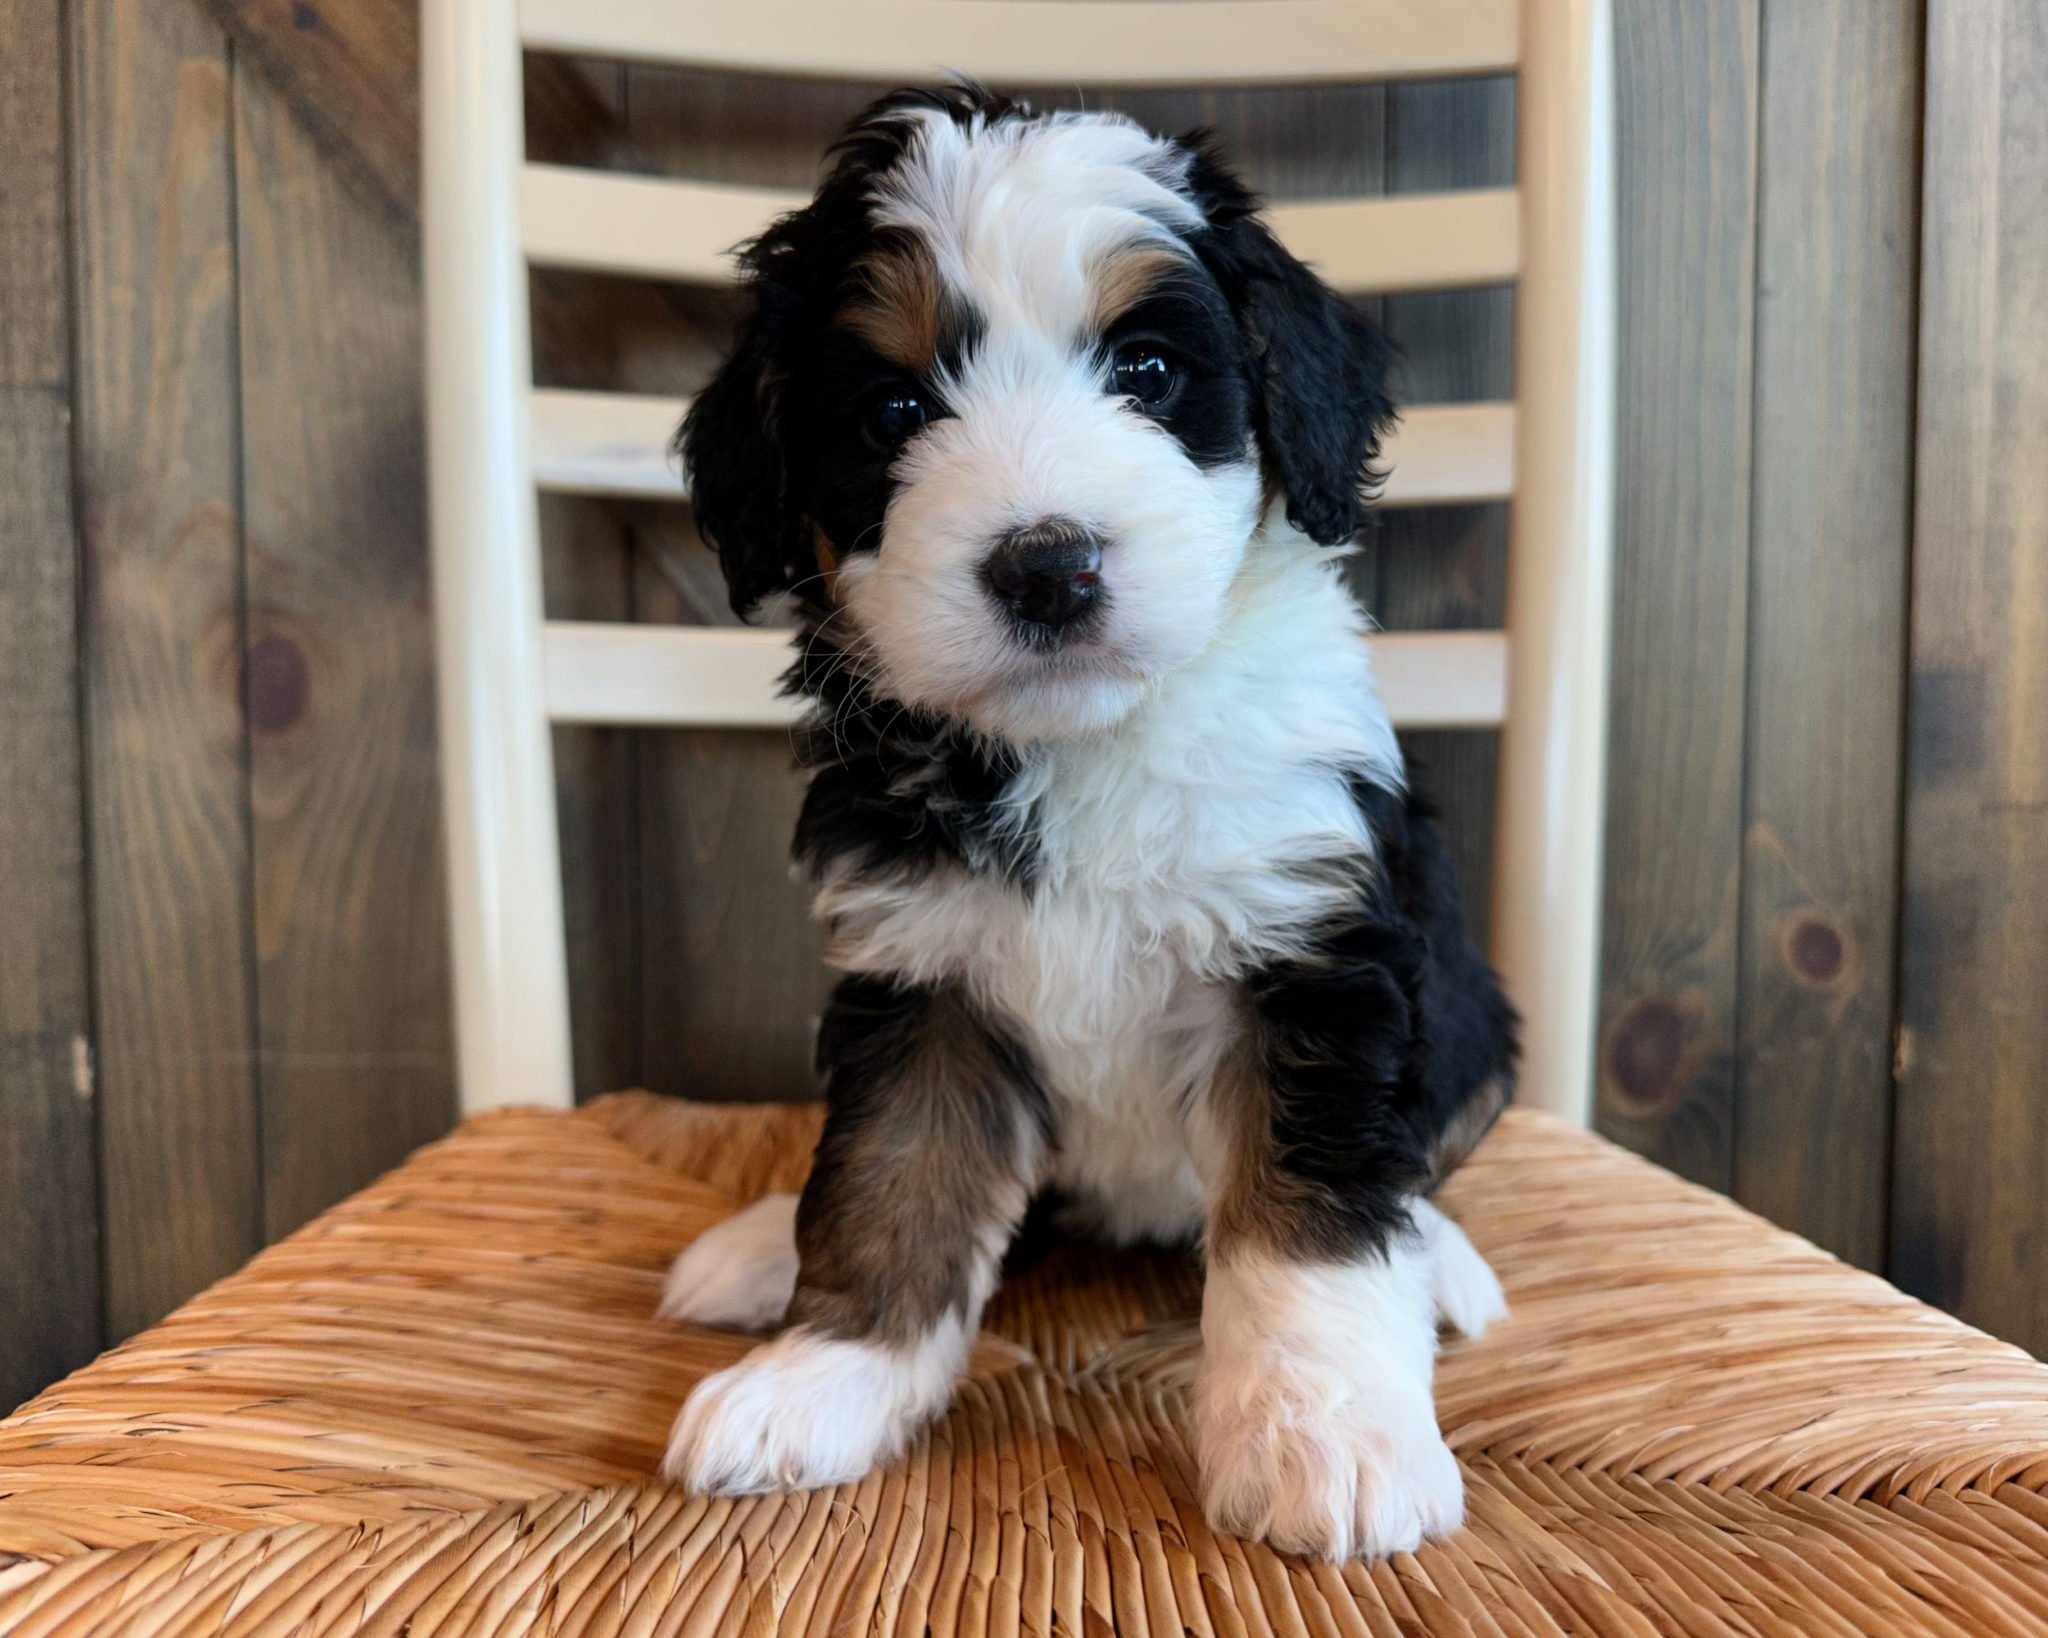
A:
(1319, 366)
(733, 441)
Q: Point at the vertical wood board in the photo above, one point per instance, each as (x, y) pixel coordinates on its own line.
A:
(49, 1275)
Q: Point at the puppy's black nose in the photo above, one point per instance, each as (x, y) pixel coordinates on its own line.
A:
(1049, 574)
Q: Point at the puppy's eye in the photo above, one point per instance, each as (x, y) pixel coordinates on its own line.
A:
(894, 415)
(1144, 370)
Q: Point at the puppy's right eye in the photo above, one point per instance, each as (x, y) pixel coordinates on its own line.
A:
(1145, 371)
(894, 416)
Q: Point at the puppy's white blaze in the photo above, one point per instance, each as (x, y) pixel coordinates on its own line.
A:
(1020, 215)
(807, 1410)
(739, 1274)
(1313, 1416)
(1466, 1290)
(1022, 219)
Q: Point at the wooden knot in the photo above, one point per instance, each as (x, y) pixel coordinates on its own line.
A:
(277, 684)
(1817, 952)
(1644, 1050)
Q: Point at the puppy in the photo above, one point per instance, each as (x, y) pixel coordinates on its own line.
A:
(1047, 439)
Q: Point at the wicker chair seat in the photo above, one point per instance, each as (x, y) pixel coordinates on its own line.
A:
(436, 1410)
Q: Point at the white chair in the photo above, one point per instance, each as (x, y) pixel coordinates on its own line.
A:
(507, 672)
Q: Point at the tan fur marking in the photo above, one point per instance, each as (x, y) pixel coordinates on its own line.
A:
(1260, 1204)
(901, 310)
(1125, 280)
(1461, 1134)
(1264, 1205)
(915, 1193)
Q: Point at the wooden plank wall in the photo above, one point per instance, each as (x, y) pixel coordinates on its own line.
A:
(49, 1243)
(209, 336)
(161, 540)
(223, 986)
(1968, 1227)
(1768, 181)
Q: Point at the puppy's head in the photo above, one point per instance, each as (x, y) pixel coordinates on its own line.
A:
(1010, 403)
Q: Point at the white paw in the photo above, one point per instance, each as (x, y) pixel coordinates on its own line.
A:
(806, 1411)
(1315, 1428)
(740, 1274)
(1352, 1481)
(1464, 1287)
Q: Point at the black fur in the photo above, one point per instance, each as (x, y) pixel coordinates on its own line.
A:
(1319, 366)
(1211, 410)
(932, 1111)
(1376, 1039)
(871, 1030)
(893, 788)
(769, 445)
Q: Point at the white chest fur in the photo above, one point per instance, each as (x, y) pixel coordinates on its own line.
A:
(1207, 833)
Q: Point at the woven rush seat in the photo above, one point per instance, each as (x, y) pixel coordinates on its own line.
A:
(437, 1410)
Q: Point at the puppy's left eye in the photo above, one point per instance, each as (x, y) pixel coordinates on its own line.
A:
(1144, 370)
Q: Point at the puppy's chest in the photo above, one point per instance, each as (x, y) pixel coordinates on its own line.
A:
(1117, 961)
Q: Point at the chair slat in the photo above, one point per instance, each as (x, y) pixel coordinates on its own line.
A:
(1450, 454)
(724, 677)
(651, 227)
(595, 443)
(1046, 42)
(1416, 241)
(666, 676)
(606, 443)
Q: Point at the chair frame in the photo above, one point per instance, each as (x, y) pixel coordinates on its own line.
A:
(507, 673)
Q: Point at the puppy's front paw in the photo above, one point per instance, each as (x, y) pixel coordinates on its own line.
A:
(739, 1274)
(1339, 1482)
(808, 1410)
(1315, 1428)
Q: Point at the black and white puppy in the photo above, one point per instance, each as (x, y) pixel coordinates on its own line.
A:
(1048, 436)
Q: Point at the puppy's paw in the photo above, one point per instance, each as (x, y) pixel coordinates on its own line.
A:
(1315, 1428)
(1463, 1285)
(808, 1410)
(740, 1274)
(1355, 1480)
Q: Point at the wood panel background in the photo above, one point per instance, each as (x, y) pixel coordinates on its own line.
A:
(223, 984)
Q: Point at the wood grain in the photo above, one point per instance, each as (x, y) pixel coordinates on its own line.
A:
(734, 978)
(350, 70)
(1970, 1218)
(1686, 82)
(49, 1242)
(49, 1268)
(1830, 551)
(35, 330)
(351, 939)
(158, 463)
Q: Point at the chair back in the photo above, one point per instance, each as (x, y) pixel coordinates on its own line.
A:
(508, 672)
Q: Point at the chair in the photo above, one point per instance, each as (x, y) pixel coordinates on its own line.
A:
(507, 672)
(436, 1409)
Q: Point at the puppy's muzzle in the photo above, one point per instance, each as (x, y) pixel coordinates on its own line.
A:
(1048, 575)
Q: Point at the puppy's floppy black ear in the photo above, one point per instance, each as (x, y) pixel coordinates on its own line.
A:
(733, 444)
(1319, 366)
